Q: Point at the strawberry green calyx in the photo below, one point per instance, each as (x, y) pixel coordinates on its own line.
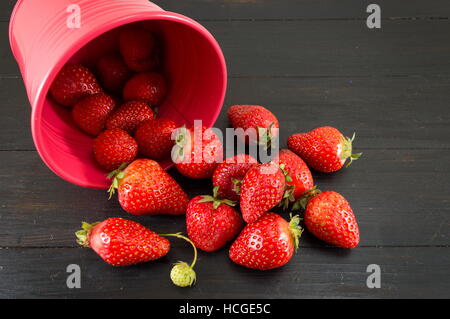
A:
(116, 176)
(83, 234)
(296, 229)
(347, 150)
(265, 136)
(236, 185)
(288, 196)
(182, 274)
(216, 200)
(181, 141)
(306, 196)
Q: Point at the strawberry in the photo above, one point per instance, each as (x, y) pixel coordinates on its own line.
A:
(139, 48)
(129, 116)
(328, 216)
(211, 222)
(154, 138)
(197, 151)
(266, 244)
(144, 188)
(150, 88)
(114, 147)
(90, 114)
(73, 83)
(113, 72)
(122, 242)
(325, 148)
(229, 175)
(263, 123)
(261, 190)
(298, 175)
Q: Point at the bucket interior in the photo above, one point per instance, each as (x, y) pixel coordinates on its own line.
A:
(195, 75)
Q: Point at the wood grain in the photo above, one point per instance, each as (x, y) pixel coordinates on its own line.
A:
(321, 48)
(312, 273)
(391, 192)
(400, 113)
(288, 9)
(312, 62)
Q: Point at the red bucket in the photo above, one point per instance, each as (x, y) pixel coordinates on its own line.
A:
(42, 43)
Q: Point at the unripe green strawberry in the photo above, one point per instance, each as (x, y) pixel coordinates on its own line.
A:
(183, 275)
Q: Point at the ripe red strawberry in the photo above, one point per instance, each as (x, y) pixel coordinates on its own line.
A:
(113, 72)
(328, 216)
(150, 88)
(256, 117)
(298, 175)
(268, 243)
(325, 148)
(129, 116)
(73, 83)
(139, 48)
(90, 114)
(198, 150)
(154, 138)
(145, 188)
(122, 242)
(261, 190)
(114, 147)
(211, 222)
(229, 175)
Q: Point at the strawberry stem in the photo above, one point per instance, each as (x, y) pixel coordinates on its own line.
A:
(215, 199)
(296, 229)
(116, 175)
(302, 202)
(288, 196)
(182, 274)
(265, 136)
(83, 234)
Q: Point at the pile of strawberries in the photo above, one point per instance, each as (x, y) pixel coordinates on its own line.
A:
(125, 131)
(120, 108)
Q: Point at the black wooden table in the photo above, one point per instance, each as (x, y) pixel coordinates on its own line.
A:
(313, 62)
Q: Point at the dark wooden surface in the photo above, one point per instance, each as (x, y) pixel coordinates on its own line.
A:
(312, 63)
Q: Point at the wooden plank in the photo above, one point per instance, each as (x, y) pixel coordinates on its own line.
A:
(333, 48)
(289, 9)
(312, 273)
(303, 9)
(15, 115)
(321, 48)
(385, 112)
(399, 197)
